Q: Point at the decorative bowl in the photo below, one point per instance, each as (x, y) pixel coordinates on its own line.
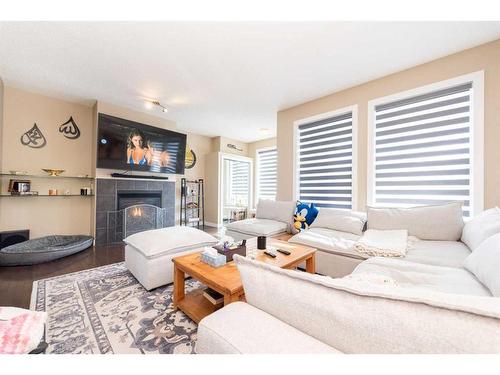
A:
(53, 172)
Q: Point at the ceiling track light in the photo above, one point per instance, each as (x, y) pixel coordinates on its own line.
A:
(158, 104)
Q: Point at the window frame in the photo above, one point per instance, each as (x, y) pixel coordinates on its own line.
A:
(477, 134)
(257, 170)
(354, 179)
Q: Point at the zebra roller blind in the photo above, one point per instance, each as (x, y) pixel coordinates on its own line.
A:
(239, 187)
(266, 172)
(423, 149)
(325, 162)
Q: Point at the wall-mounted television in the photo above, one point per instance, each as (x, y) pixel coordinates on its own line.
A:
(128, 145)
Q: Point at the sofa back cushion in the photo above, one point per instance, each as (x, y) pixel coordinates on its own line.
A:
(439, 223)
(275, 210)
(365, 317)
(341, 220)
(484, 263)
(484, 225)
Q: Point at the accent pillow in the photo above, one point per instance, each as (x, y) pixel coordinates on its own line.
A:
(275, 210)
(484, 263)
(484, 225)
(341, 220)
(304, 215)
(439, 223)
(156, 242)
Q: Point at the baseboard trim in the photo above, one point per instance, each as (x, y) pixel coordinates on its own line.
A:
(213, 225)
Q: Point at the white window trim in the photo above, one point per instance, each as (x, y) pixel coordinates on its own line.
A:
(477, 135)
(257, 168)
(322, 116)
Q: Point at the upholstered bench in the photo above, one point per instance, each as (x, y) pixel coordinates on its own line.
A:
(148, 254)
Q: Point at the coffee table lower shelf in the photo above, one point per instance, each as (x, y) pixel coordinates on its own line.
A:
(196, 306)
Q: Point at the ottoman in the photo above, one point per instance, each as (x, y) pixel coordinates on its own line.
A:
(148, 254)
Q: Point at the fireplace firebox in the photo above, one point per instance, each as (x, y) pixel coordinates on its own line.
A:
(127, 198)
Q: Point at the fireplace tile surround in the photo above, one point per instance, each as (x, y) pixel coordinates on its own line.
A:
(107, 190)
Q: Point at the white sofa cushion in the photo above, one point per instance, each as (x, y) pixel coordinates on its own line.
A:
(423, 276)
(158, 242)
(484, 262)
(438, 253)
(275, 210)
(356, 317)
(440, 222)
(330, 241)
(341, 220)
(241, 328)
(481, 227)
(257, 227)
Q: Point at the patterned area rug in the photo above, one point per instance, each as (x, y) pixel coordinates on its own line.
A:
(106, 310)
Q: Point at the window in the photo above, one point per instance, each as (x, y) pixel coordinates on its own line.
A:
(238, 186)
(325, 160)
(422, 148)
(266, 173)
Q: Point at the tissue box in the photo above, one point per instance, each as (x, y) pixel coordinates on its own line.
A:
(240, 250)
(216, 261)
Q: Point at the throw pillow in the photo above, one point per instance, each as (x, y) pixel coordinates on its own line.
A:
(341, 220)
(484, 263)
(481, 227)
(304, 215)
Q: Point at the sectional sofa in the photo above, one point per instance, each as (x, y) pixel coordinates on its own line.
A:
(443, 297)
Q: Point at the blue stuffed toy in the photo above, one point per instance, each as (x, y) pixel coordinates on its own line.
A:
(304, 216)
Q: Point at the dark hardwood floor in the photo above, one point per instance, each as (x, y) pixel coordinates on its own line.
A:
(16, 282)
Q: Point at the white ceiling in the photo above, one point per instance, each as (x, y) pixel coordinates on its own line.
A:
(222, 78)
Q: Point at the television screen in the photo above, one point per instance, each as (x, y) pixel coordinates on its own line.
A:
(128, 145)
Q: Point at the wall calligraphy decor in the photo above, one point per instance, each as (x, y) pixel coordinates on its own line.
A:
(190, 160)
(69, 129)
(33, 138)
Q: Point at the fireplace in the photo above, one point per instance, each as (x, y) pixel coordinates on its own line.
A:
(127, 198)
(115, 215)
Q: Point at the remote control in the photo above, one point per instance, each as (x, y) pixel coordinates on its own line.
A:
(270, 254)
(286, 252)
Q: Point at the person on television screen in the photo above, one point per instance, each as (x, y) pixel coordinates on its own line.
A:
(138, 152)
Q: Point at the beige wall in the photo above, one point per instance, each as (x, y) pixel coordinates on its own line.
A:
(220, 144)
(46, 215)
(485, 57)
(212, 191)
(252, 153)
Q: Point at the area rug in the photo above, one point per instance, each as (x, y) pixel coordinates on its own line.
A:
(105, 310)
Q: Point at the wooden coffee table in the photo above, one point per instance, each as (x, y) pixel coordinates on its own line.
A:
(226, 279)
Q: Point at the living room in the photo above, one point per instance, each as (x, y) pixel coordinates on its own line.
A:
(326, 187)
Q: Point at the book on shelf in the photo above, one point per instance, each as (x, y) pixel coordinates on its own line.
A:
(213, 296)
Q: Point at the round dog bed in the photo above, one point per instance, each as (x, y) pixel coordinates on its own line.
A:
(43, 249)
